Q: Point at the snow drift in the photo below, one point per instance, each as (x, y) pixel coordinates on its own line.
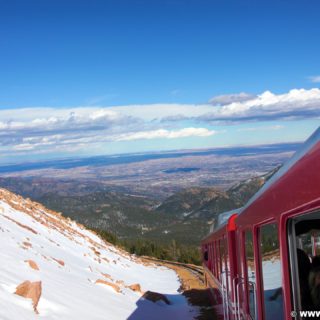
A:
(54, 268)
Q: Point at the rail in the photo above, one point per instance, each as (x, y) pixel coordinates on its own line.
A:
(195, 269)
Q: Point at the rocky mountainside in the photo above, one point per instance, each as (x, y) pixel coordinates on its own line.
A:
(193, 203)
(244, 190)
(54, 268)
(189, 200)
(207, 203)
(194, 210)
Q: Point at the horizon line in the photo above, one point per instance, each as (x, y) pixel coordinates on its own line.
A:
(166, 151)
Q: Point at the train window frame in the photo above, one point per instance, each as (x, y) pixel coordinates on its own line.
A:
(293, 258)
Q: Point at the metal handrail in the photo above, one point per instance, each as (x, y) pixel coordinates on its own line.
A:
(254, 296)
(240, 282)
(224, 300)
(227, 272)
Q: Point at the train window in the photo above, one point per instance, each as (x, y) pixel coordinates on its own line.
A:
(304, 252)
(250, 274)
(223, 265)
(304, 243)
(316, 243)
(226, 264)
(309, 243)
(206, 254)
(218, 259)
(212, 257)
(228, 272)
(271, 272)
(210, 264)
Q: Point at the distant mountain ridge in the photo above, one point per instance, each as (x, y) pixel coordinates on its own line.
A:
(207, 203)
(195, 202)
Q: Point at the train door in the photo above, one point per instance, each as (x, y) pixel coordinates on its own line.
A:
(250, 275)
(212, 269)
(231, 272)
(230, 268)
(223, 278)
(215, 257)
(239, 279)
(303, 234)
(218, 261)
(270, 285)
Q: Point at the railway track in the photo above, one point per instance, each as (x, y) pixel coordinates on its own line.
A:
(192, 285)
(195, 270)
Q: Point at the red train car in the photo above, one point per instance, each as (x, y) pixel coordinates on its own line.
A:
(220, 264)
(264, 262)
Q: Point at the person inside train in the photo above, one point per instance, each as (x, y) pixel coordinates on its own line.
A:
(304, 267)
(315, 262)
(314, 285)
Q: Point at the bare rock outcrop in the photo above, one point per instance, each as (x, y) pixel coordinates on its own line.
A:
(61, 262)
(135, 287)
(110, 284)
(32, 264)
(30, 290)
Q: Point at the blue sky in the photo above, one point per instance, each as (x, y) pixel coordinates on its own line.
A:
(163, 62)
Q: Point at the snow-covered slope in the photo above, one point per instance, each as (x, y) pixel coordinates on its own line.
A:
(82, 277)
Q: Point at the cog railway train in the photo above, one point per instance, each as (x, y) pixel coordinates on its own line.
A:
(258, 259)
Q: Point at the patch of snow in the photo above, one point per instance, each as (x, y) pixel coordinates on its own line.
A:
(70, 260)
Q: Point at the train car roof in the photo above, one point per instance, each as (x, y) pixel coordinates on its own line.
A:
(222, 221)
(224, 217)
(297, 158)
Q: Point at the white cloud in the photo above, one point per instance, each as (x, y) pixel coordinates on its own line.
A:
(230, 98)
(51, 120)
(263, 128)
(39, 129)
(314, 79)
(296, 104)
(166, 134)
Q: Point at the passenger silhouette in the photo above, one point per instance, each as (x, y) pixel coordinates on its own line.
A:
(304, 267)
(314, 285)
(315, 262)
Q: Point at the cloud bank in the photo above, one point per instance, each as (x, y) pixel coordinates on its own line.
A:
(231, 98)
(166, 134)
(294, 105)
(42, 130)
